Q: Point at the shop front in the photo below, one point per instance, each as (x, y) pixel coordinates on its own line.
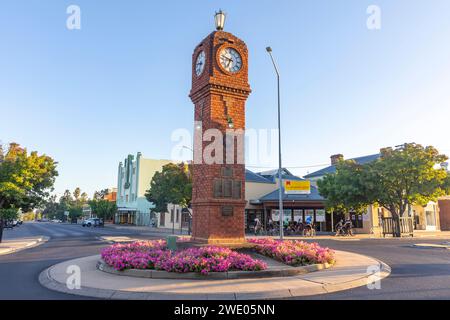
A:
(125, 216)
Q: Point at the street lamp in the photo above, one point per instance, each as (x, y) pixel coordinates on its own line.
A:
(280, 176)
(219, 18)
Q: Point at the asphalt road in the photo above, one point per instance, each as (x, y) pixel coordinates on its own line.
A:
(416, 273)
(19, 271)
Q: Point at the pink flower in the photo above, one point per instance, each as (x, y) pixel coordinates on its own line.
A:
(295, 253)
(154, 255)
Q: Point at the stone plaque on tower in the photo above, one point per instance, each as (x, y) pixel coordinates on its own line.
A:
(219, 91)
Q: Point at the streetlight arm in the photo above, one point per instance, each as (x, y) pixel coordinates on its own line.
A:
(269, 50)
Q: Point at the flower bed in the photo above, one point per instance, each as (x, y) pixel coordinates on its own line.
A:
(154, 255)
(294, 253)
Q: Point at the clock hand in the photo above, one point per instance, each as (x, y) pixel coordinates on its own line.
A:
(229, 59)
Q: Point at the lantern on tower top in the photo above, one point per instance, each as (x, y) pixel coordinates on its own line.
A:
(219, 18)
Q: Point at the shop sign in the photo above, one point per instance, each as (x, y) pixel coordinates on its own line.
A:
(297, 187)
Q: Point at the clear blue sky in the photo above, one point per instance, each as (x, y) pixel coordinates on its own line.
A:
(120, 84)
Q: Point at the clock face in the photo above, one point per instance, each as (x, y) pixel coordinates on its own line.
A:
(200, 63)
(230, 60)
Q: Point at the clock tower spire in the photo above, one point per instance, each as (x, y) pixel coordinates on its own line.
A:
(219, 91)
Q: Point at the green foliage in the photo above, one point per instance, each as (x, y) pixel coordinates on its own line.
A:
(98, 195)
(9, 214)
(103, 208)
(25, 179)
(172, 185)
(69, 201)
(346, 190)
(401, 177)
(406, 176)
(75, 212)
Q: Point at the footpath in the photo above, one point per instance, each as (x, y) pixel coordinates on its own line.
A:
(18, 244)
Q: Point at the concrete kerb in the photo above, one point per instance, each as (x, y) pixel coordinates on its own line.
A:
(350, 275)
(31, 244)
(160, 274)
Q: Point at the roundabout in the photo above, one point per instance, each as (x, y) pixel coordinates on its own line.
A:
(350, 271)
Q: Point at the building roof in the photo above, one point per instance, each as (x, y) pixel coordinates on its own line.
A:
(254, 177)
(274, 196)
(332, 169)
(272, 175)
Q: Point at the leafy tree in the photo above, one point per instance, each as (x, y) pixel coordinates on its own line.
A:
(172, 185)
(345, 190)
(398, 179)
(405, 177)
(25, 180)
(51, 207)
(100, 194)
(76, 193)
(103, 208)
(75, 213)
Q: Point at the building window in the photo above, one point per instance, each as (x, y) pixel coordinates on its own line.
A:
(126, 198)
(298, 215)
(178, 215)
(171, 215)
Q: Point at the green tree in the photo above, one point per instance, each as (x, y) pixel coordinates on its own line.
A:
(103, 208)
(51, 207)
(406, 176)
(100, 194)
(345, 190)
(399, 179)
(25, 180)
(75, 213)
(172, 185)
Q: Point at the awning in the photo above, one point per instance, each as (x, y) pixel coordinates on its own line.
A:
(127, 209)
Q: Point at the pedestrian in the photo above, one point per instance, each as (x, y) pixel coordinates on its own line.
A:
(257, 226)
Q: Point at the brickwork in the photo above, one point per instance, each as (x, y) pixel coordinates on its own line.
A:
(444, 214)
(218, 95)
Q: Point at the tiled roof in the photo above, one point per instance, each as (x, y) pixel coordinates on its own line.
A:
(332, 169)
(273, 174)
(254, 177)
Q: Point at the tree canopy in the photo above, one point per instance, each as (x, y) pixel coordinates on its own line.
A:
(25, 180)
(405, 176)
(103, 208)
(172, 185)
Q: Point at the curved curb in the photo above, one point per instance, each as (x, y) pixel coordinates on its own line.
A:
(431, 246)
(316, 288)
(160, 274)
(38, 242)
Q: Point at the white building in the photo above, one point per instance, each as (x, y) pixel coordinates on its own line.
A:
(134, 177)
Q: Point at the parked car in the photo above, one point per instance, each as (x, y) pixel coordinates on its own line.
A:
(9, 224)
(93, 222)
(56, 221)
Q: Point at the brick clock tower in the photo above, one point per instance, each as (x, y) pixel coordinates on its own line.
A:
(219, 91)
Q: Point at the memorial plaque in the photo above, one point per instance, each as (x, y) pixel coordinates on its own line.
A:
(227, 172)
(227, 211)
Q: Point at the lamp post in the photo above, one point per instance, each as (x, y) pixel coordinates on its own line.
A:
(280, 176)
